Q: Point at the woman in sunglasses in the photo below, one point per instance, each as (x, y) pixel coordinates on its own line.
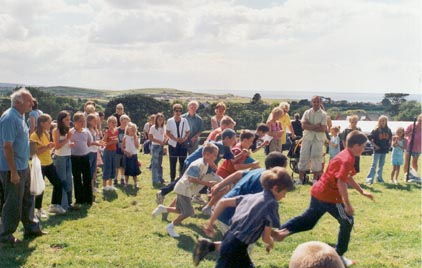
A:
(177, 132)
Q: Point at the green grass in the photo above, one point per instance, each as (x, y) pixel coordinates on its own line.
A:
(118, 231)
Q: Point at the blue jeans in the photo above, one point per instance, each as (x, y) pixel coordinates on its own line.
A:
(378, 159)
(63, 166)
(316, 210)
(156, 163)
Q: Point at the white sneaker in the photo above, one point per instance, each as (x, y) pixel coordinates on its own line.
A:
(56, 209)
(347, 262)
(42, 214)
(197, 199)
(170, 230)
(158, 210)
(207, 210)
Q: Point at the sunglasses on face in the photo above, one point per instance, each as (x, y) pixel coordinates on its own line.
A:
(177, 110)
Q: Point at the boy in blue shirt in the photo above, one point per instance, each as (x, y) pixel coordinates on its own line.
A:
(255, 216)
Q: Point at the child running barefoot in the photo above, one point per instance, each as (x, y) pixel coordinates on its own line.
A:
(399, 145)
(130, 148)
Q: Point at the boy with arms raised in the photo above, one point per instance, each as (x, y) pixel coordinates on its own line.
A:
(256, 215)
(330, 195)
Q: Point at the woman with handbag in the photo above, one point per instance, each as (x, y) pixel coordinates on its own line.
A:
(178, 132)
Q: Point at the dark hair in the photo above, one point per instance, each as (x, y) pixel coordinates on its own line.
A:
(60, 126)
(355, 137)
(35, 104)
(275, 159)
(157, 116)
(263, 127)
(277, 176)
(246, 134)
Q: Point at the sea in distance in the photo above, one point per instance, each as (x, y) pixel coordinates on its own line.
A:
(299, 95)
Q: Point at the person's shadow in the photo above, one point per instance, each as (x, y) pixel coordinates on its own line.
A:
(15, 255)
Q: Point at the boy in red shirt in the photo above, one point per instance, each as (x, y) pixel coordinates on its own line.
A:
(330, 195)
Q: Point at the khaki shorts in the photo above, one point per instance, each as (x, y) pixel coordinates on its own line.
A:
(184, 205)
(311, 152)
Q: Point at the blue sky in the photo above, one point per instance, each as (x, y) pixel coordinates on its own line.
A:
(302, 45)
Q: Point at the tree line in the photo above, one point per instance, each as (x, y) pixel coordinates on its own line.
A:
(246, 115)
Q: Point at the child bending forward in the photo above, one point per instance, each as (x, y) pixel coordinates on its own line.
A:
(192, 181)
(256, 215)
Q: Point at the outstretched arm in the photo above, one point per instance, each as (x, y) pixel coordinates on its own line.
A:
(357, 187)
(221, 205)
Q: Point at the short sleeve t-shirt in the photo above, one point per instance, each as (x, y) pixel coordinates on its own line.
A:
(197, 170)
(45, 157)
(339, 168)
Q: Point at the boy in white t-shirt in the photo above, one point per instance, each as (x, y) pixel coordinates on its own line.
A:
(192, 181)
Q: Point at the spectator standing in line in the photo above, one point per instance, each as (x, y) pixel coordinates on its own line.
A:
(381, 140)
(33, 117)
(62, 156)
(220, 110)
(120, 110)
(40, 139)
(286, 123)
(415, 150)
(157, 136)
(297, 126)
(120, 157)
(353, 121)
(314, 124)
(196, 125)
(275, 129)
(14, 170)
(177, 131)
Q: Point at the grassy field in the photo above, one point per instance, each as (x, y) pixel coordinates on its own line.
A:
(118, 231)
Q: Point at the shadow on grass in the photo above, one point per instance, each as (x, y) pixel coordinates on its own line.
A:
(71, 215)
(409, 187)
(110, 195)
(370, 188)
(130, 190)
(14, 256)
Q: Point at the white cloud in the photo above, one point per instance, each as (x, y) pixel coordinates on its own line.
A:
(301, 44)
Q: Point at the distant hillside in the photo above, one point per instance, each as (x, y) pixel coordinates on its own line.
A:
(167, 94)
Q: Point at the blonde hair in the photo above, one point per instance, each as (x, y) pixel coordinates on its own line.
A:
(124, 117)
(90, 108)
(284, 105)
(111, 118)
(274, 112)
(209, 148)
(129, 126)
(227, 120)
(382, 117)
